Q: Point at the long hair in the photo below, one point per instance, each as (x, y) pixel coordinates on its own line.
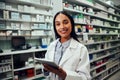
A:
(72, 34)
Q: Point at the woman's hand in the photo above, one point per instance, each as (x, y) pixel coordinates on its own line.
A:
(60, 72)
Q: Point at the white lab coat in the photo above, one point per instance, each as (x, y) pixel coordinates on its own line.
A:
(75, 60)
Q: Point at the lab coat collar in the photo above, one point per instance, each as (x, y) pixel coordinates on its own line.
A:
(73, 43)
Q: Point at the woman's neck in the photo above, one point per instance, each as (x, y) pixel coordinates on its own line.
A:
(62, 40)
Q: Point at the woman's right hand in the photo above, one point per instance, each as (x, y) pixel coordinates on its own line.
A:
(60, 72)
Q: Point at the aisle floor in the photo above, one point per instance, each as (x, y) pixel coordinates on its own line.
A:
(115, 76)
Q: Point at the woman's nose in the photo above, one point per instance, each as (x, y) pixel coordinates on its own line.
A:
(62, 26)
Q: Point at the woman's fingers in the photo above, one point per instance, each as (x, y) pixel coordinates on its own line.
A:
(60, 72)
(49, 68)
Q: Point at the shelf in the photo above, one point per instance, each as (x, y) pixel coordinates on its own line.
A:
(8, 37)
(23, 21)
(111, 19)
(102, 26)
(80, 23)
(30, 36)
(8, 52)
(107, 19)
(104, 56)
(97, 34)
(92, 15)
(44, 6)
(42, 29)
(106, 26)
(103, 64)
(103, 34)
(27, 67)
(78, 2)
(92, 52)
(9, 78)
(82, 2)
(29, 12)
(105, 70)
(5, 71)
(23, 16)
(98, 66)
(5, 63)
(107, 5)
(101, 42)
(76, 11)
(35, 77)
(110, 74)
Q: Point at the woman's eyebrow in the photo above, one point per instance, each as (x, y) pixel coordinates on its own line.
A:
(65, 20)
(56, 21)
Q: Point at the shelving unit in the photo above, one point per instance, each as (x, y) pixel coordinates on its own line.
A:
(32, 20)
(26, 18)
(14, 64)
(6, 67)
(98, 27)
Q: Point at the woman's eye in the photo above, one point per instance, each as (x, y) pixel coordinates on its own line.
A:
(65, 22)
(57, 24)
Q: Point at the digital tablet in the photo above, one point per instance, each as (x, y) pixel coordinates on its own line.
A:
(48, 62)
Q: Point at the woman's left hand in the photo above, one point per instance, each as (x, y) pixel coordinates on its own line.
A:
(60, 72)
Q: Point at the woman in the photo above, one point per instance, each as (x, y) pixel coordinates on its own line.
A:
(67, 52)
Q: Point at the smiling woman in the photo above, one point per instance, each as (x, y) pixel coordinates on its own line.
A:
(62, 19)
(71, 56)
(63, 27)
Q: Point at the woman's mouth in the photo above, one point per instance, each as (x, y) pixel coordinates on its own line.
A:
(63, 31)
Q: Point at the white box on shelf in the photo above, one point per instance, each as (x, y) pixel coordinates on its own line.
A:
(115, 19)
(33, 18)
(26, 17)
(14, 7)
(8, 25)
(111, 10)
(24, 0)
(15, 15)
(37, 33)
(2, 26)
(88, 2)
(109, 2)
(2, 33)
(34, 26)
(6, 14)
(12, 26)
(100, 6)
(85, 37)
(42, 26)
(44, 41)
(2, 5)
(8, 7)
(36, 1)
(42, 18)
(27, 8)
(49, 2)
(20, 7)
(25, 26)
(15, 25)
(49, 26)
(37, 17)
(14, 33)
(24, 32)
(48, 33)
(32, 9)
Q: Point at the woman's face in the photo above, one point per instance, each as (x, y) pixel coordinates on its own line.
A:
(63, 26)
